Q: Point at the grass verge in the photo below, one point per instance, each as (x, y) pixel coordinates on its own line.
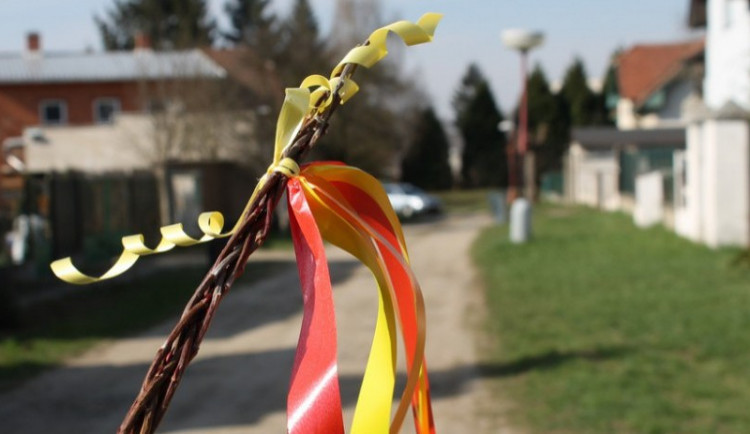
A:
(465, 201)
(53, 331)
(602, 327)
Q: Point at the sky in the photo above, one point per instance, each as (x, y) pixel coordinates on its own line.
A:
(470, 32)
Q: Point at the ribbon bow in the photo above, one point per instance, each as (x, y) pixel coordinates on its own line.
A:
(348, 208)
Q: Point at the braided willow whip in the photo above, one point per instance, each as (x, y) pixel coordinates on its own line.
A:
(183, 342)
(302, 122)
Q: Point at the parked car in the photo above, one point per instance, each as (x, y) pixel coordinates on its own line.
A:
(409, 201)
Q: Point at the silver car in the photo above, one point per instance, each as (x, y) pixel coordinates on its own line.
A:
(409, 201)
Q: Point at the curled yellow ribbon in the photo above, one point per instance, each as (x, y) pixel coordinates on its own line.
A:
(299, 103)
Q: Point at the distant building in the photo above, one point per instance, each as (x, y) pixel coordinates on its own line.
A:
(603, 164)
(99, 137)
(61, 111)
(653, 81)
(59, 90)
(681, 152)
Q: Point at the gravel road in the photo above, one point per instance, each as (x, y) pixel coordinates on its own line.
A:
(238, 382)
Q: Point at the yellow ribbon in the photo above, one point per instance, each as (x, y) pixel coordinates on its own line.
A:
(373, 411)
(299, 103)
(342, 227)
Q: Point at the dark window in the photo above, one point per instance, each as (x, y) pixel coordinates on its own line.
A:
(53, 112)
(105, 110)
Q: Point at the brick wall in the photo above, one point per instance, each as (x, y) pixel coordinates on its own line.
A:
(79, 97)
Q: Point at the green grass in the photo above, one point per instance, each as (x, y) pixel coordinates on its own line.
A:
(51, 332)
(603, 327)
(465, 201)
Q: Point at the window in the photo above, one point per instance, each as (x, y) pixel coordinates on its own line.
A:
(53, 112)
(105, 110)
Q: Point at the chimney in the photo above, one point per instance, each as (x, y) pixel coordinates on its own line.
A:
(141, 41)
(33, 42)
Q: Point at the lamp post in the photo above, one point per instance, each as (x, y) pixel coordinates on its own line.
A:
(522, 41)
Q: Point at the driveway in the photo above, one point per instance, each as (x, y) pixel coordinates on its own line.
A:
(238, 382)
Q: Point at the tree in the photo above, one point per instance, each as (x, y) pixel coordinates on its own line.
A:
(301, 51)
(252, 25)
(483, 160)
(169, 24)
(586, 107)
(375, 126)
(370, 132)
(610, 92)
(549, 122)
(426, 162)
(577, 94)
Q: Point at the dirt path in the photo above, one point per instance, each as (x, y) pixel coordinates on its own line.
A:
(238, 382)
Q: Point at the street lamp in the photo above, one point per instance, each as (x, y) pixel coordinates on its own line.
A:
(522, 41)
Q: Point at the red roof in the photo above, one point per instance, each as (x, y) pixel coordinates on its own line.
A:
(246, 68)
(644, 69)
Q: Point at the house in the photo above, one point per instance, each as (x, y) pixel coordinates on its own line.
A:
(113, 116)
(712, 175)
(653, 81)
(652, 84)
(59, 90)
(697, 180)
(603, 163)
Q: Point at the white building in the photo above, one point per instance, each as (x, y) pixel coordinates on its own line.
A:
(712, 176)
(727, 24)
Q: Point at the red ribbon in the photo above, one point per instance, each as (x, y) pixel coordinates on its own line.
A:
(357, 201)
(314, 401)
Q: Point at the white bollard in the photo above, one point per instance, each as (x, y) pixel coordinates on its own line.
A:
(520, 221)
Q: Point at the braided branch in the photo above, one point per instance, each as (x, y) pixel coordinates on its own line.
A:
(182, 344)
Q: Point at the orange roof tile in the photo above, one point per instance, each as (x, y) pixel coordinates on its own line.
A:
(644, 69)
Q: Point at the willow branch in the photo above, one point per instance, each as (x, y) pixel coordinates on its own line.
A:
(183, 342)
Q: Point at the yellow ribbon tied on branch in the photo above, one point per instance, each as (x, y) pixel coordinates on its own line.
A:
(313, 96)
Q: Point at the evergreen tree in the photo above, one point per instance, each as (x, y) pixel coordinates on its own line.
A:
(483, 160)
(549, 122)
(301, 48)
(426, 163)
(581, 101)
(610, 93)
(169, 24)
(251, 25)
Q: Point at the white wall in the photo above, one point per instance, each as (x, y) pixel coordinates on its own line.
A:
(140, 141)
(688, 203)
(120, 146)
(728, 53)
(717, 188)
(591, 178)
(649, 199)
(626, 116)
(676, 92)
(726, 205)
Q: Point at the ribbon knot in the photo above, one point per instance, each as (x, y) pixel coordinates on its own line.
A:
(287, 167)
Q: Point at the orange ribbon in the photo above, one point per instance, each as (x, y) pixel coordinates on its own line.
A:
(353, 212)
